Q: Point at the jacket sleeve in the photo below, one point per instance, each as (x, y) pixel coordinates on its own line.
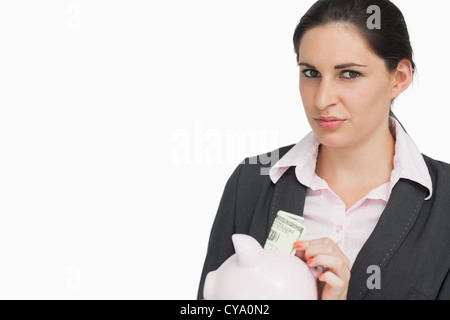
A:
(220, 246)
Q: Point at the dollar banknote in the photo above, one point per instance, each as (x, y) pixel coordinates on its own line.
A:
(287, 228)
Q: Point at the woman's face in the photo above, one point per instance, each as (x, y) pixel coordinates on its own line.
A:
(345, 88)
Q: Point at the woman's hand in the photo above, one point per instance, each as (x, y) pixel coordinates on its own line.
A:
(336, 275)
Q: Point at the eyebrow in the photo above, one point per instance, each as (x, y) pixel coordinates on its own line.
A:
(340, 66)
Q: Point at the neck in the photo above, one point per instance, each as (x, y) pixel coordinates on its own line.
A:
(370, 163)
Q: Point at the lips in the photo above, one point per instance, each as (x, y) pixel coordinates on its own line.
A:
(329, 123)
(329, 119)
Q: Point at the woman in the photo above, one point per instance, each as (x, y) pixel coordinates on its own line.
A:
(371, 201)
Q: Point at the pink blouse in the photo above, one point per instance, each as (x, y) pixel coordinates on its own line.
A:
(325, 213)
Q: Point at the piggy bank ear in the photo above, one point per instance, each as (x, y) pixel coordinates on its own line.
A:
(248, 250)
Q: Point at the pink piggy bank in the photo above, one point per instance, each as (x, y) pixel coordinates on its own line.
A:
(253, 273)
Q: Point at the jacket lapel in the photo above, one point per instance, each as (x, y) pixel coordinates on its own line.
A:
(395, 222)
(289, 195)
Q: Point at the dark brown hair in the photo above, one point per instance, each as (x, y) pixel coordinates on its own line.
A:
(391, 42)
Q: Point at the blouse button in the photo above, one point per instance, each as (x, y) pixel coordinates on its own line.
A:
(338, 229)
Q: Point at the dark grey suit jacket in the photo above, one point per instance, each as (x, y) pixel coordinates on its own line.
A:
(410, 243)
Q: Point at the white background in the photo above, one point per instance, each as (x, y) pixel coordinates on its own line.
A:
(120, 122)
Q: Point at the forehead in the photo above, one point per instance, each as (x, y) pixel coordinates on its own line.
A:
(335, 44)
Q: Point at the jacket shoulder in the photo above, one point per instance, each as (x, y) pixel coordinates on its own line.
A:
(254, 187)
(437, 169)
(269, 158)
(257, 167)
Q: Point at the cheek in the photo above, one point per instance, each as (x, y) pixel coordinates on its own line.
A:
(355, 102)
(307, 93)
(370, 98)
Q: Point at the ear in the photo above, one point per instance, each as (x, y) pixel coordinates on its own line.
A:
(248, 250)
(401, 78)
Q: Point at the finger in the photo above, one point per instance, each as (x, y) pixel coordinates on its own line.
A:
(300, 247)
(324, 246)
(300, 254)
(320, 246)
(333, 263)
(333, 281)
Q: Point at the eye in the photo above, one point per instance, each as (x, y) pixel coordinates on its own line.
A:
(350, 74)
(310, 73)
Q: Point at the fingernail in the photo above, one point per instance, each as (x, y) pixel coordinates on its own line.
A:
(320, 275)
(309, 261)
(298, 244)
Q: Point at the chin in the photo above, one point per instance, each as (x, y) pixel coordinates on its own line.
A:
(331, 139)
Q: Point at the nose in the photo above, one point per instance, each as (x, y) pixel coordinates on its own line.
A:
(326, 94)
